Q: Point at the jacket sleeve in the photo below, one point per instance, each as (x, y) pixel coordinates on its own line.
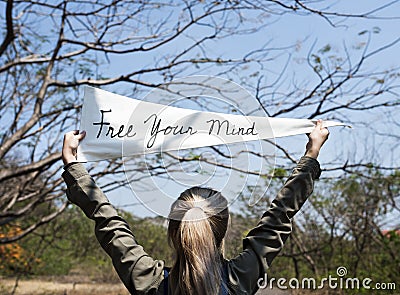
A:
(137, 270)
(266, 240)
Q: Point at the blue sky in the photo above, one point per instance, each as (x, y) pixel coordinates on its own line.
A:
(305, 33)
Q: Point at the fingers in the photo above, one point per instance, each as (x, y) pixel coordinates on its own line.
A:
(319, 124)
(324, 132)
(317, 138)
(319, 132)
(81, 135)
(75, 134)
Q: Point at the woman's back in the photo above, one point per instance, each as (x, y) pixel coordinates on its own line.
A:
(141, 274)
(197, 226)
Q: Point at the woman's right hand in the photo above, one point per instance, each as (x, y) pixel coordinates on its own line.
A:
(316, 139)
(70, 145)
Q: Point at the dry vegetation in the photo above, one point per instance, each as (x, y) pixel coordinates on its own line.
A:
(59, 285)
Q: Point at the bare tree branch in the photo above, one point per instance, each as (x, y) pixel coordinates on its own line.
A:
(10, 29)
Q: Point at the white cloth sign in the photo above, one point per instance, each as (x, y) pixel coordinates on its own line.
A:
(119, 126)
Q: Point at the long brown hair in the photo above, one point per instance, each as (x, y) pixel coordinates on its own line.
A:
(197, 225)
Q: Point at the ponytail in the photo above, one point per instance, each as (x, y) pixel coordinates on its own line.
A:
(197, 237)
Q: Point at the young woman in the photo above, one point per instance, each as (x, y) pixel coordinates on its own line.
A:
(197, 225)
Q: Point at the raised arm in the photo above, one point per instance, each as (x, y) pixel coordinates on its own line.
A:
(137, 270)
(266, 240)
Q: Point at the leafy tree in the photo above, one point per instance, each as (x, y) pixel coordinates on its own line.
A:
(350, 222)
(50, 48)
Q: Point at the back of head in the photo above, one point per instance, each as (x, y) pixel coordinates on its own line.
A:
(197, 225)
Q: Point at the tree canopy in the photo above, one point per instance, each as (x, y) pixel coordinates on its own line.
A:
(49, 49)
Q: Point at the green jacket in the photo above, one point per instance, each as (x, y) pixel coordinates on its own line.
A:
(141, 274)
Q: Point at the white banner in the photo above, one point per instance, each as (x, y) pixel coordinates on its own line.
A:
(116, 125)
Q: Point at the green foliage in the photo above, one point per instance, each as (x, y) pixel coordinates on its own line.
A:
(238, 228)
(151, 233)
(280, 172)
(326, 48)
(341, 226)
(69, 246)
